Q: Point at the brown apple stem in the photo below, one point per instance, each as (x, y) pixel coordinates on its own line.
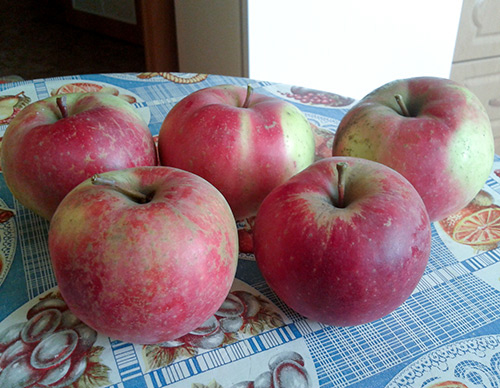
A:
(61, 104)
(341, 169)
(132, 194)
(402, 105)
(246, 103)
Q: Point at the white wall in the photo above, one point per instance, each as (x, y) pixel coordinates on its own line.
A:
(350, 47)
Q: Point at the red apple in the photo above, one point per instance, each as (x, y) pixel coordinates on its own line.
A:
(54, 144)
(432, 130)
(244, 143)
(343, 242)
(144, 255)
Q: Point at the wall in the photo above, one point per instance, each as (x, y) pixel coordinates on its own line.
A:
(211, 36)
(122, 10)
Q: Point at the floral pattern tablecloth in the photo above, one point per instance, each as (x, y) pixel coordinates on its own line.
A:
(447, 334)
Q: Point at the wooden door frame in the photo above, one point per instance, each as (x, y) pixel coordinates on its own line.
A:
(157, 22)
(155, 30)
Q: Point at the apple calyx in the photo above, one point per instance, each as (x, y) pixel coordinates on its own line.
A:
(341, 171)
(61, 104)
(246, 103)
(402, 105)
(134, 195)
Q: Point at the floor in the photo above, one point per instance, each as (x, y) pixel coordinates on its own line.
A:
(34, 44)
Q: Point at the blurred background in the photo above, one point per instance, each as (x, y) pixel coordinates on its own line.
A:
(46, 38)
(345, 47)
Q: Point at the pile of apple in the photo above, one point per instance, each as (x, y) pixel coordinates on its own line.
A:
(346, 241)
(143, 241)
(144, 251)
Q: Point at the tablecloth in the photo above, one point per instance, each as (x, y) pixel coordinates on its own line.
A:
(447, 334)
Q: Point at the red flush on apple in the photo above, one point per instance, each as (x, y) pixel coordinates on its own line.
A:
(434, 131)
(54, 144)
(343, 242)
(144, 255)
(244, 143)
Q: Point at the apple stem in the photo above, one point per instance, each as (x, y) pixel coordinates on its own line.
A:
(246, 103)
(402, 105)
(61, 104)
(132, 194)
(341, 169)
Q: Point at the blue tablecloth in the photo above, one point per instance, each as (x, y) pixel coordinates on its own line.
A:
(448, 331)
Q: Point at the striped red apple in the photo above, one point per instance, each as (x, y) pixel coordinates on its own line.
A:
(244, 143)
(434, 131)
(344, 242)
(54, 144)
(144, 255)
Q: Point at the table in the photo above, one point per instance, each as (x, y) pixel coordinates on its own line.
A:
(447, 331)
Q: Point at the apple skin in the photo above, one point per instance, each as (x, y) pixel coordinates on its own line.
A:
(144, 273)
(445, 148)
(244, 152)
(45, 155)
(347, 264)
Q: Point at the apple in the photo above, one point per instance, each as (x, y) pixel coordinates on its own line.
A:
(144, 255)
(344, 242)
(432, 130)
(244, 143)
(54, 144)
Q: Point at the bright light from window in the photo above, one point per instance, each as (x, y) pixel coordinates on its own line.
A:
(350, 47)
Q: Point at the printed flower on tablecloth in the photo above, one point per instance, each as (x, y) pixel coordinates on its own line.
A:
(317, 97)
(242, 315)
(467, 363)
(87, 87)
(11, 105)
(7, 240)
(448, 384)
(175, 77)
(211, 384)
(476, 225)
(285, 370)
(323, 139)
(51, 348)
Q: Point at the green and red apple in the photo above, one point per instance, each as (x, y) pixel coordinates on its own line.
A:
(434, 131)
(54, 144)
(144, 255)
(344, 242)
(244, 143)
